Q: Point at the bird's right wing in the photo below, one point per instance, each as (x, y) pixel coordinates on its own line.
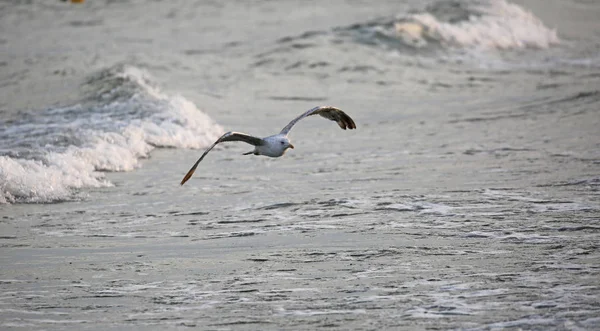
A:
(229, 136)
(328, 112)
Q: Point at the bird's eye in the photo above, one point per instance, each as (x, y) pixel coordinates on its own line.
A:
(282, 142)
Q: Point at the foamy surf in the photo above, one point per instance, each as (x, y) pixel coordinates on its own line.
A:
(495, 24)
(480, 25)
(49, 156)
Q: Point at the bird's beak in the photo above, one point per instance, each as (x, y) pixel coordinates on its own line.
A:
(291, 146)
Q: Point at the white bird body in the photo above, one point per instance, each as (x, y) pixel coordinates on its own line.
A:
(274, 146)
(277, 144)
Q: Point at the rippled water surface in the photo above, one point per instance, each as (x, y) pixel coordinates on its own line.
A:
(467, 198)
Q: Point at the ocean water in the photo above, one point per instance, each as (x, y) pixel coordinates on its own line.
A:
(467, 198)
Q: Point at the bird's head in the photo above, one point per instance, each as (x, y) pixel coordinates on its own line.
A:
(285, 143)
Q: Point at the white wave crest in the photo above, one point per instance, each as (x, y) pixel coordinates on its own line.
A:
(101, 136)
(494, 24)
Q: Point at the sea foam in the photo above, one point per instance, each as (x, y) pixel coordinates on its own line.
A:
(46, 156)
(467, 25)
(493, 24)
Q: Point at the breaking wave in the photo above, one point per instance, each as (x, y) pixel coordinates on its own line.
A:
(478, 24)
(46, 156)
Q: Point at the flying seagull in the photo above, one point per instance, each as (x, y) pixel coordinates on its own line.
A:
(276, 145)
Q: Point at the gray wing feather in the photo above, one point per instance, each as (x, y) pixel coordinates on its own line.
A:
(331, 113)
(229, 136)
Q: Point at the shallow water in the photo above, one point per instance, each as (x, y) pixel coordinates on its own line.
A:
(466, 199)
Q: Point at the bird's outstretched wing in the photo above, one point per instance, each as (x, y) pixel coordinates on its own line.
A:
(332, 113)
(229, 136)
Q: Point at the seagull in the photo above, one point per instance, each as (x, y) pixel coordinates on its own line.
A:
(277, 144)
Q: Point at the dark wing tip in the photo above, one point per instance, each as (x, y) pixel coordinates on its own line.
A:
(187, 176)
(346, 121)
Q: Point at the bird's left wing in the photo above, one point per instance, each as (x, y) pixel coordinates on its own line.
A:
(331, 113)
(229, 136)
